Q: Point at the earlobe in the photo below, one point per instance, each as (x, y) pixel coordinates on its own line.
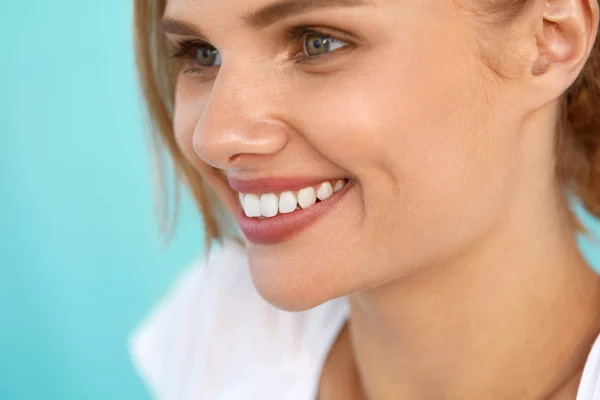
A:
(568, 33)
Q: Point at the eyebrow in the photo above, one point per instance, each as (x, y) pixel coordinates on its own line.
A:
(266, 15)
(177, 27)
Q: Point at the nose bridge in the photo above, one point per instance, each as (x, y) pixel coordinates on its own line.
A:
(238, 119)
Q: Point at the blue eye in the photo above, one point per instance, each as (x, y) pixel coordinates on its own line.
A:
(315, 44)
(207, 56)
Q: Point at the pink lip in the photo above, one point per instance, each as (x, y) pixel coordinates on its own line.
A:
(281, 227)
(274, 185)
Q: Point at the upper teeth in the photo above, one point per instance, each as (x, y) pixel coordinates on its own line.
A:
(269, 204)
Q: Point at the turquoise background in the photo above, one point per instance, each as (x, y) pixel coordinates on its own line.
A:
(81, 259)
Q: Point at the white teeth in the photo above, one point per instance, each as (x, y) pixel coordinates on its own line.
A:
(252, 205)
(339, 185)
(325, 191)
(269, 205)
(287, 202)
(307, 197)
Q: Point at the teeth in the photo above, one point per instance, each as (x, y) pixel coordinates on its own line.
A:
(325, 191)
(252, 205)
(287, 202)
(269, 205)
(307, 197)
(339, 185)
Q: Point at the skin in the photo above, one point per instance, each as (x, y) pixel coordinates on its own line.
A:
(454, 248)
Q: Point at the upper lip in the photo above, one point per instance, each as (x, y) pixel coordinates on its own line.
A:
(275, 185)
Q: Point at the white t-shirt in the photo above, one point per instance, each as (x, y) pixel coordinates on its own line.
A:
(213, 337)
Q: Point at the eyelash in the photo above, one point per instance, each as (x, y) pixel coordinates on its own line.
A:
(185, 49)
(298, 34)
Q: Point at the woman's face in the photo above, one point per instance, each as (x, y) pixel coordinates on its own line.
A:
(393, 97)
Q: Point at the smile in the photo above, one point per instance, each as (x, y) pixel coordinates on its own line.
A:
(269, 205)
(269, 216)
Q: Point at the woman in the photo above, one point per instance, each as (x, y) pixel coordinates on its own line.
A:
(401, 172)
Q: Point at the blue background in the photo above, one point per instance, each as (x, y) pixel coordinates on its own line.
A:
(81, 259)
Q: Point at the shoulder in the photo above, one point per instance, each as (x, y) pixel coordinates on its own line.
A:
(160, 345)
(213, 325)
(589, 388)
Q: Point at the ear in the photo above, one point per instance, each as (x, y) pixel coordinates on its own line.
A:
(564, 43)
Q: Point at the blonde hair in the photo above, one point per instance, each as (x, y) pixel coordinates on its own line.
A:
(577, 144)
(157, 79)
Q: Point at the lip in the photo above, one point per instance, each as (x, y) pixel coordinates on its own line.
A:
(283, 226)
(274, 185)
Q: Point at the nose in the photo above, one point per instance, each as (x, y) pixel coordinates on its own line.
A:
(237, 127)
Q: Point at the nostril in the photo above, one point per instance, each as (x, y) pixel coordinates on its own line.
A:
(235, 158)
(247, 160)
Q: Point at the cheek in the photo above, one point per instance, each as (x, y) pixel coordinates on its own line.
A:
(409, 120)
(419, 136)
(188, 110)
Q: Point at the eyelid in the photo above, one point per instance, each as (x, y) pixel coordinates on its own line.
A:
(299, 34)
(340, 34)
(180, 48)
(181, 51)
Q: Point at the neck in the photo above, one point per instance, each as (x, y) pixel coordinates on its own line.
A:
(513, 318)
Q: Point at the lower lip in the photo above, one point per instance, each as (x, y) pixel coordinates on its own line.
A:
(283, 226)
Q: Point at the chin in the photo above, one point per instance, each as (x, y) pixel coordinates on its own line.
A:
(293, 279)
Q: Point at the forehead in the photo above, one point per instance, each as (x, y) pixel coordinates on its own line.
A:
(256, 11)
(257, 4)
(218, 20)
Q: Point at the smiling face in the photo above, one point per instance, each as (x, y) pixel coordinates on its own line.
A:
(390, 97)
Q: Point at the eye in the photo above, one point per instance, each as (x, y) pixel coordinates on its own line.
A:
(195, 55)
(315, 44)
(207, 56)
